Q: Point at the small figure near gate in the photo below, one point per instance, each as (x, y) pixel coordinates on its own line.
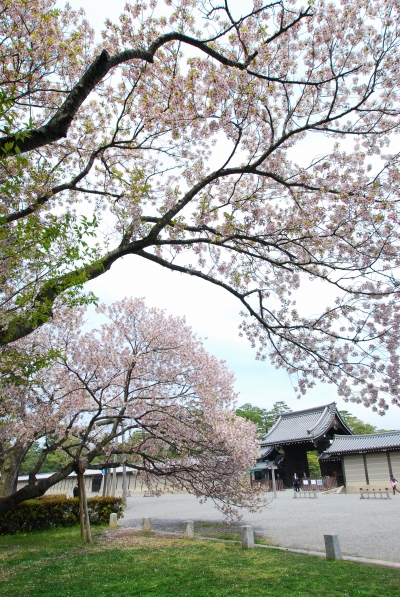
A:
(393, 483)
(296, 482)
(76, 491)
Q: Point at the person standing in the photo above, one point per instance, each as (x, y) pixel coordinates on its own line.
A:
(296, 482)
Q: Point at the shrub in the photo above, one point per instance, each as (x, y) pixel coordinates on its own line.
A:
(57, 511)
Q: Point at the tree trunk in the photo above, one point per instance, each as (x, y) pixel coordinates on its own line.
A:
(38, 488)
(86, 510)
(81, 513)
(33, 490)
(10, 470)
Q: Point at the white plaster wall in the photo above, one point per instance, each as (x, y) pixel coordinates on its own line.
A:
(395, 460)
(378, 470)
(354, 470)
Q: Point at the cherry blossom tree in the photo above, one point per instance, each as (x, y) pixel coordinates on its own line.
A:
(182, 139)
(149, 374)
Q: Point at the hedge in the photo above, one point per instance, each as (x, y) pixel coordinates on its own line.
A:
(55, 511)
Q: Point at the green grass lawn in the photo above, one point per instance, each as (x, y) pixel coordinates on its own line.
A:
(124, 564)
(230, 532)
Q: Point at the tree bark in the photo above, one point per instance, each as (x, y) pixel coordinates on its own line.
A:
(39, 487)
(10, 470)
(86, 510)
(81, 514)
(33, 490)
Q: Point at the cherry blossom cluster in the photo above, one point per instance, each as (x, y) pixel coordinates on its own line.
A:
(141, 387)
(184, 138)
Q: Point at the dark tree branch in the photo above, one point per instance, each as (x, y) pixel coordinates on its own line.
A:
(57, 127)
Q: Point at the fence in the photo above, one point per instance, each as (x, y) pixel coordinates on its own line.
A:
(266, 484)
(318, 483)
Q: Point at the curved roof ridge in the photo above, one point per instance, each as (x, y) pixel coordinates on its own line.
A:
(343, 422)
(306, 425)
(319, 420)
(357, 435)
(325, 421)
(307, 410)
(273, 427)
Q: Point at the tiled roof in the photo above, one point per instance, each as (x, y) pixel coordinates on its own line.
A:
(266, 452)
(303, 425)
(259, 466)
(372, 442)
(269, 464)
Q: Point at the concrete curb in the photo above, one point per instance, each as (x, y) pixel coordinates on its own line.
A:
(319, 554)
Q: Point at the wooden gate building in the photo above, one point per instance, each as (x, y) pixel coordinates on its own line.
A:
(294, 434)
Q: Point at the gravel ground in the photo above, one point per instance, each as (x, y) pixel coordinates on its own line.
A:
(366, 528)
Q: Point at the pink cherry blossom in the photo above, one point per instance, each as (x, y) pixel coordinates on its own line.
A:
(182, 140)
(150, 373)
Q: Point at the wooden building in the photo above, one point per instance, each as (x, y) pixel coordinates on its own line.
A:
(367, 461)
(294, 434)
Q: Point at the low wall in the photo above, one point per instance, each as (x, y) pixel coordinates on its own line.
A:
(93, 489)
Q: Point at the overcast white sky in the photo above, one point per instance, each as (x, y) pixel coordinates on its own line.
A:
(212, 313)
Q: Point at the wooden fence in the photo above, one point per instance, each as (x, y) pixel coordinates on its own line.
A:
(266, 484)
(309, 484)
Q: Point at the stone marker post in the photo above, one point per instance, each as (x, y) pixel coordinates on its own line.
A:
(146, 526)
(188, 533)
(113, 520)
(332, 547)
(247, 536)
(273, 480)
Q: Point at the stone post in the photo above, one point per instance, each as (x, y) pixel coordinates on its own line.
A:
(273, 482)
(113, 521)
(146, 526)
(332, 547)
(247, 536)
(188, 532)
